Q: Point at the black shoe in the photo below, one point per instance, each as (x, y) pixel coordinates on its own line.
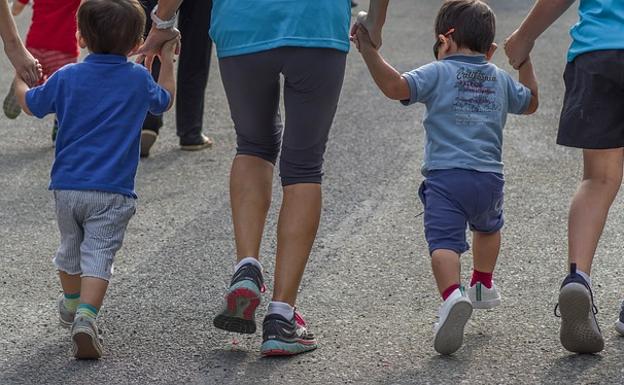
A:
(281, 337)
(203, 142)
(241, 301)
(148, 138)
(353, 4)
(579, 331)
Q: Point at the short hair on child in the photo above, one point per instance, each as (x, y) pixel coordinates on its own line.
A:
(111, 26)
(473, 22)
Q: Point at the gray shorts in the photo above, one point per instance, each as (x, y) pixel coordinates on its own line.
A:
(92, 226)
(312, 83)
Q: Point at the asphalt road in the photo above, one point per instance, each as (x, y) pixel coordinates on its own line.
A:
(368, 292)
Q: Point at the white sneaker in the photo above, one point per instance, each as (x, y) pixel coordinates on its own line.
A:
(452, 317)
(483, 297)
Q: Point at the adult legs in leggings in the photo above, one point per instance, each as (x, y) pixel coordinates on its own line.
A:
(312, 83)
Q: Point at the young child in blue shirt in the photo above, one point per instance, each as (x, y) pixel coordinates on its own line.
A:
(592, 118)
(467, 100)
(100, 105)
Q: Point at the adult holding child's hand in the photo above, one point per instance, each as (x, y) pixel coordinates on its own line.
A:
(372, 21)
(518, 48)
(26, 66)
(163, 30)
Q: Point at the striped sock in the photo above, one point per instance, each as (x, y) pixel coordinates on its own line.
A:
(86, 310)
(71, 301)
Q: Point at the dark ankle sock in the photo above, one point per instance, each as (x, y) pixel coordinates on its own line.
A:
(449, 290)
(484, 278)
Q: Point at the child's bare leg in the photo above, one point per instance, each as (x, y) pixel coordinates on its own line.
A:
(70, 283)
(485, 249)
(602, 177)
(446, 267)
(93, 291)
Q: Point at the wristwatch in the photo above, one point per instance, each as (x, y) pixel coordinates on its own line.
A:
(162, 24)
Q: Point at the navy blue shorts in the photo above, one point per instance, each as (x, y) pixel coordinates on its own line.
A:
(455, 198)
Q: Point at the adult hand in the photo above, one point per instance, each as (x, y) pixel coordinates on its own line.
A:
(25, 64)
(518, 48)
(373, 29)
(154, 43)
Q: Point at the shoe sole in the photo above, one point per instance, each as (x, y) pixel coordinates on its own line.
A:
(450, 336)
(239, 314)
(619, 327)
(10, 105)
(195, 147)
(148, 138)
(272, 348)
(579, 331)
(85, 345)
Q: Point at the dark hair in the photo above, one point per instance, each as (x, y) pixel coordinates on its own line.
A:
(473, 22)
(111, 26)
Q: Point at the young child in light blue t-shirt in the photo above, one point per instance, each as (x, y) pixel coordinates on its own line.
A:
(467, 99)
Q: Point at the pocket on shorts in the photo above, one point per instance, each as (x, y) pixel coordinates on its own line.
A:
(107, 224)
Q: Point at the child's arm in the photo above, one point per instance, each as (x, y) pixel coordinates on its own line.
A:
(166, 78)
(18, 7)
(544, 13)
(389, 80)
(20, 93)
(527, 77)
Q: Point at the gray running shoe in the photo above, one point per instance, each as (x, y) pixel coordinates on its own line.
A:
(66, 317)
(579, 331)
(10, 105)
(86, 338)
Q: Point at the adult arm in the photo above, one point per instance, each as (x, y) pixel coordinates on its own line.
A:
(518, 46)
(373, 20)
(25, 64)
(158, 37)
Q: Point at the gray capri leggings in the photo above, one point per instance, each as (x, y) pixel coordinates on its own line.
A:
(312, 83)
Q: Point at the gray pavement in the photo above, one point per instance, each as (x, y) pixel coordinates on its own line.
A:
(368, 292)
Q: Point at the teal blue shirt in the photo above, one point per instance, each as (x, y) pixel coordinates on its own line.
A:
(467, 100)
(600, 27)
(240, 27)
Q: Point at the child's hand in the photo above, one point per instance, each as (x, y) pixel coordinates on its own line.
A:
(169, 50)
(362, 41)
(374, 32)
(518, 48)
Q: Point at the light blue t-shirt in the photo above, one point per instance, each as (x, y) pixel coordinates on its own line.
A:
(100, 105)
(600, 27)
(467, 100)
(240, 27)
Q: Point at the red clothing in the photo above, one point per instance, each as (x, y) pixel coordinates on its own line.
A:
(53, 25)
